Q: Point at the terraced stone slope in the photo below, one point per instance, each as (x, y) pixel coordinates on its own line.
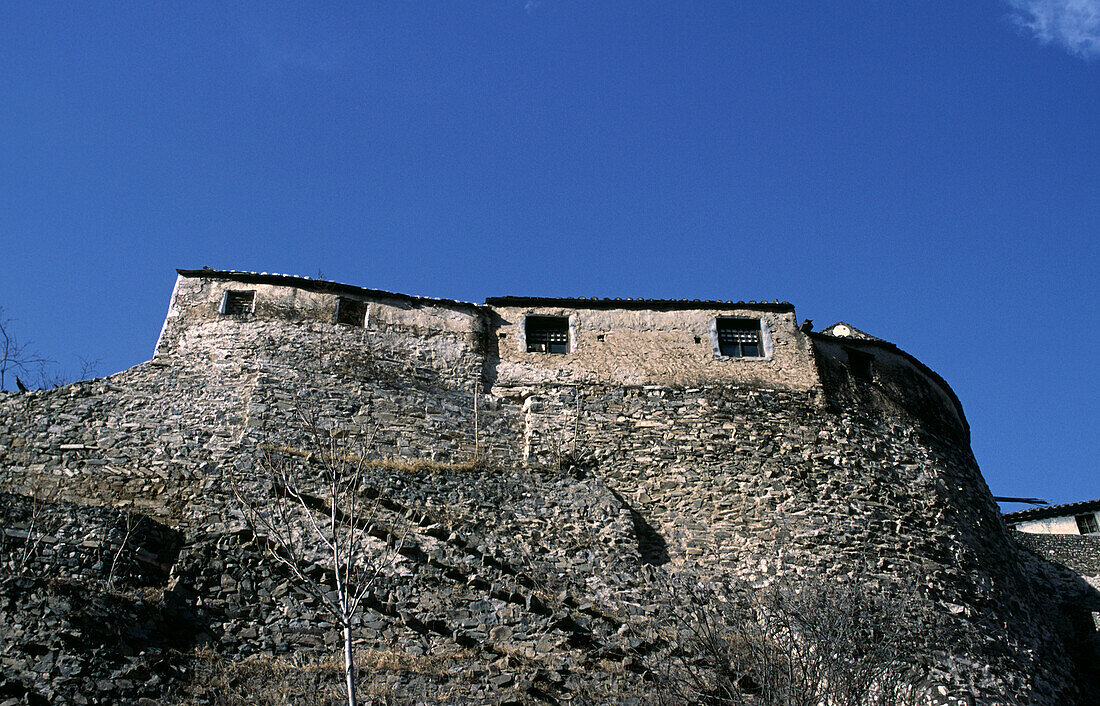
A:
(543, 513)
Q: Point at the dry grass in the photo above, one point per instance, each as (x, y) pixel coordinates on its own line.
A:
(407, 465)
(300, 679)
(403, 662)
(263, 680)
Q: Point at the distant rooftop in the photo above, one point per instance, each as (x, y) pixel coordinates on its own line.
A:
(1040, 513)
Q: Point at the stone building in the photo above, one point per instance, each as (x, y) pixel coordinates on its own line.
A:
(583, 447)
(1081, 518)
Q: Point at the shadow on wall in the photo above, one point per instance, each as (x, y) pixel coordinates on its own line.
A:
(651, 545)
(88, 587)
(1061, 563)
(490, 350)
(851, 382)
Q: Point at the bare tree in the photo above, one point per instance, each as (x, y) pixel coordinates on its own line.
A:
(131, 522)
(14, 354)
(25, 519)
(20, 543)
(800, 644)
(314, 511)
(50, 376)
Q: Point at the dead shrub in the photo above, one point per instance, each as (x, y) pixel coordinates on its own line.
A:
(812, 643)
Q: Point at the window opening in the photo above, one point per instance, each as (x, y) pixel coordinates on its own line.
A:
(599, 337)
(738, 338)
(351, 312)
(547, 334)
(238, 302)
(860, 363)
(1087, 524)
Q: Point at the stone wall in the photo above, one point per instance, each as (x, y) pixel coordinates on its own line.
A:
(1078, 553)
(435, 337)
(610, 343)
(896, 383)
(650, 346)
(529, 480)
(1053, 525)
(81, 543)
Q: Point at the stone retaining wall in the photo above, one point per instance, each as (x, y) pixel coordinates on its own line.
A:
(1077, 553)
(69, 542)
(542, 505)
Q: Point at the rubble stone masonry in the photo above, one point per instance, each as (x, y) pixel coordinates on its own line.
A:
(580, 474)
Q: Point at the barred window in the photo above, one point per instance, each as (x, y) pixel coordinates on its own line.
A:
(237, 302)
(351, 312)
(547, 334)
(739, 338)
(1087, 524)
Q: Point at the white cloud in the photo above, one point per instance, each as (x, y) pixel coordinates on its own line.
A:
(1074, 24)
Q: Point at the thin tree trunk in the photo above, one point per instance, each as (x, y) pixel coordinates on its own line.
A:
(349, 665)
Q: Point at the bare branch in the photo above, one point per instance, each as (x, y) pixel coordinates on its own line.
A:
(313, 516)
(15, 355)
(811, 642)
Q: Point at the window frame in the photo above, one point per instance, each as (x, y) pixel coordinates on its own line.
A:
(570, 333)
(223, 310)
(763, 337)
(1087, 522)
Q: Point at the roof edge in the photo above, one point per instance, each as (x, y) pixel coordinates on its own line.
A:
(318, 285)
(1039, 513)
(655, 304)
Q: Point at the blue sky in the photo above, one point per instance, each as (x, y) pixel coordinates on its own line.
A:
(927, 171)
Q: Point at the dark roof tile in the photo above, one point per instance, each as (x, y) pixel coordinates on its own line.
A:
(1040, 513)
(607, 303)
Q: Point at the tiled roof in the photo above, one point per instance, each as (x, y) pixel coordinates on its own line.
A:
(605, 303)
(1039, 513)
(572, 302)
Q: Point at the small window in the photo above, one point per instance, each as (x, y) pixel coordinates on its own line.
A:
(351, 312)
(859, 363)
(1087, 523)
(739, 338)
(547, 334)
(235, 303)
